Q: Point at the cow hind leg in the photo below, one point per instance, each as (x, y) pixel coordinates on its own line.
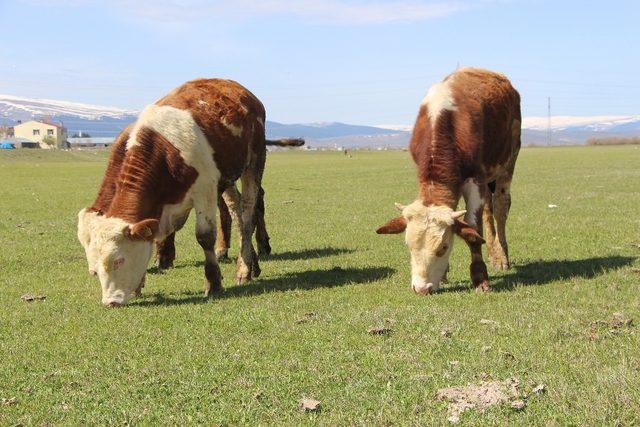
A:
(262, 237)
(223, 241)
(206, 236)
(248, 266)
(166, 249)
(499, 249)
(166, 252)
(488, 221)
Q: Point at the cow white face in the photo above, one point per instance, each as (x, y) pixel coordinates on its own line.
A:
(429, 236)
(85, 219)
(118, 253)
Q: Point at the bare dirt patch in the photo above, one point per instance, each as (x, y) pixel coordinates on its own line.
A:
(478, 396)
(29, 297)
(308, 405)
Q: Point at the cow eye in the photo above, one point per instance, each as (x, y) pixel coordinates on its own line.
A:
(442, 250)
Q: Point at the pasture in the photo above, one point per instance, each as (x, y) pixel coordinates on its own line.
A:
(302, 329)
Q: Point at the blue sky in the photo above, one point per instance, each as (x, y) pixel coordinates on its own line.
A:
(365, 62)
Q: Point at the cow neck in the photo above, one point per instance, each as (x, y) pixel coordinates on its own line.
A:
(435, 193)
(152, 175)
(439, 164)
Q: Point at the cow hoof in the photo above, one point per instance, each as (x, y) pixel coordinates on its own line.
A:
(243, 280)
(499, 262)
(222, 255)
(264, 250)
(255, 271)
(500, 265)
(213, 292)
(483, 287)
(164, 264)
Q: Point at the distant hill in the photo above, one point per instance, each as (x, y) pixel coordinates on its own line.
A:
(100, 121)
(323, 130)
(97, 120)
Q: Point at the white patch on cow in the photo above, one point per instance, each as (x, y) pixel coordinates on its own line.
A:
(85, 219)
(203, 103)
(439, 98)
(235, 130)
(430, 240)
(473, 201)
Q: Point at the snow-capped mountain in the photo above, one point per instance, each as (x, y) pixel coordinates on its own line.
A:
(100, 121)
(323, 130)
(566, 123)
(12, 106)
(583, 123)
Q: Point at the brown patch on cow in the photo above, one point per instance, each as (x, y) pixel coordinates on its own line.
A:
(108, 186)
(393, 226)
(153, 175)
(441, 252)
(146, 229)
(468, 233)
(235, 134)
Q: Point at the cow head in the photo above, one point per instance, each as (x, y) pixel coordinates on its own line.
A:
(117, 252)
(429, 236)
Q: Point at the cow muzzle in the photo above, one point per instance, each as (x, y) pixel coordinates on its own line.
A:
(422, 287)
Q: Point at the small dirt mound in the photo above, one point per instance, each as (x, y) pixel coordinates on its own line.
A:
(477, 396)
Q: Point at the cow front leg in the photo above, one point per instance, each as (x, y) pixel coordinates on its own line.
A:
(478, 270)
(262, 237)
(206, 236)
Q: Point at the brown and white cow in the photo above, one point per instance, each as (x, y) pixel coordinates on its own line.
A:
(466, 138)
(204, 135)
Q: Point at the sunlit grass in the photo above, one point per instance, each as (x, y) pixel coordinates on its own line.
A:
(300, 330)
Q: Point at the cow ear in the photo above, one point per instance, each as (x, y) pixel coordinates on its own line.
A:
(394, 226)
(467, 232)
(146, 229)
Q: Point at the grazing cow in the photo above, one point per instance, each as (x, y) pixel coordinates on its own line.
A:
(466, 138)
(165, 253)
(205, 135)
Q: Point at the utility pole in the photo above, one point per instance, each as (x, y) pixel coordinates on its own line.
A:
(548, 121)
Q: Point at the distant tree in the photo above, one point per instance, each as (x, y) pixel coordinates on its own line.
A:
(6, 131)
(49, 140)
(613, 141)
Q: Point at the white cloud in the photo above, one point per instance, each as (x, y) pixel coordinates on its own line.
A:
(339, 12)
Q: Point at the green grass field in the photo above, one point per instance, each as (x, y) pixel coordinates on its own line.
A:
(301, 329)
